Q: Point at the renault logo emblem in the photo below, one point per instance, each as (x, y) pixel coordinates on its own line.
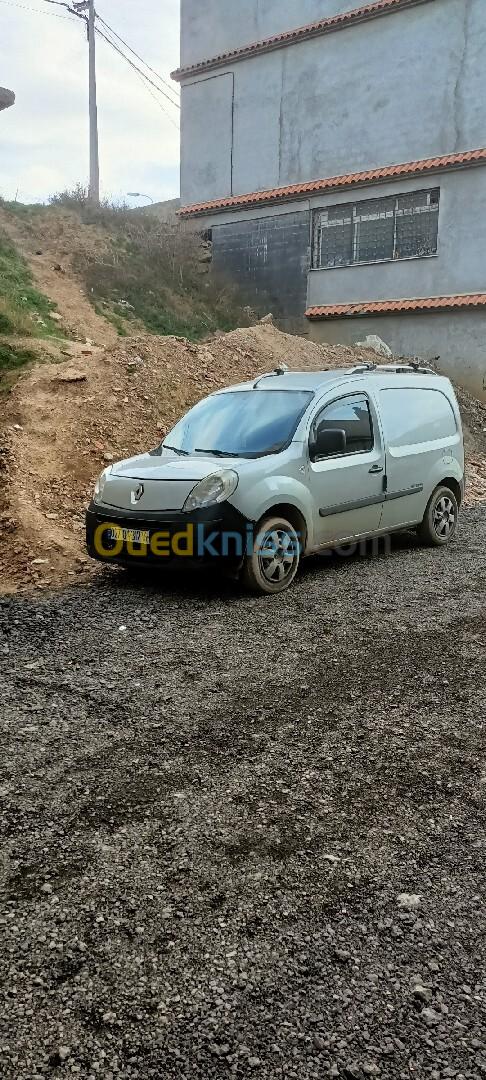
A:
(137, 494)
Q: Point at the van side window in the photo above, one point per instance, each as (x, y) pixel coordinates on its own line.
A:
(351, 415)
(413, 416)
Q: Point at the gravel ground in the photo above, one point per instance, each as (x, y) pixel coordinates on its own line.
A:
(244, 837)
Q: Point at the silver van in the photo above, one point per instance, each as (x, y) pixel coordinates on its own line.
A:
(258, 475)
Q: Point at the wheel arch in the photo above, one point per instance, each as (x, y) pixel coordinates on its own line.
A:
(291, 513)
(452, 483)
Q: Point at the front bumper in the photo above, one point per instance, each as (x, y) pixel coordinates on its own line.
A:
(217, 534)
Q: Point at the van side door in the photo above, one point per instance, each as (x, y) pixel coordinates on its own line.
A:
(346, 479)
(421, 431)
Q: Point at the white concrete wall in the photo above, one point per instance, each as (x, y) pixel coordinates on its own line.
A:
(208, 124)
(459, 338)
(217, 26)
(407, 85)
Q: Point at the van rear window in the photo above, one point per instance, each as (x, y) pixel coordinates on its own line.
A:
(413, 416)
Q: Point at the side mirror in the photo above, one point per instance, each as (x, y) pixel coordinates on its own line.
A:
(328, 442)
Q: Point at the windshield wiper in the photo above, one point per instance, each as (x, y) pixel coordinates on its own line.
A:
(214, 453)
(185, 453)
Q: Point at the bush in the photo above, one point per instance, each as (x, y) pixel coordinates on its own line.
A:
(11, 357)
(78, 199)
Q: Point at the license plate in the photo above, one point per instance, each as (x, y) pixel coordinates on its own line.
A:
(130, 536)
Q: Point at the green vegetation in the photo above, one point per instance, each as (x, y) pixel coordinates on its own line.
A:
(148, 274)
(159, 275)
(12, 357)
(22, 210)
(24, 311)
(155, 274)
(120, 322)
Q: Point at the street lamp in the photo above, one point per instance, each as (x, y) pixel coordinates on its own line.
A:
(139, 195)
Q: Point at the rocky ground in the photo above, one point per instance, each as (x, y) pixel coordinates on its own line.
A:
(245, 837)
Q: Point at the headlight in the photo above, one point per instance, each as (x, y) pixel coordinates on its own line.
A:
(213, 489)
(100, 485)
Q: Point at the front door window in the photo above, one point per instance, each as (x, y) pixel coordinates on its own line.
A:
(346, 469)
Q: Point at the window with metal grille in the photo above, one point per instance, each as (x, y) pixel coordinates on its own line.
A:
(377, 230)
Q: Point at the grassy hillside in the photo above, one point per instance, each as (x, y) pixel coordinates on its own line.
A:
(159, 275)
(24, 311)
(138, 270)
(151, 271)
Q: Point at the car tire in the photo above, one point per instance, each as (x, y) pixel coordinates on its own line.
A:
(439, 525)
(275, 558)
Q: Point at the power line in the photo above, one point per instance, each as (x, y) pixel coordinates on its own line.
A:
(145, 76)
(127, 46)
(161, 107)
(38, 11)
(140, 73)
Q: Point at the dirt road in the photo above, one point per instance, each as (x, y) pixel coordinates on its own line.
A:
(244, 837)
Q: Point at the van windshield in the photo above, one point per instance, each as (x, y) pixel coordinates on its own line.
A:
(242, 423)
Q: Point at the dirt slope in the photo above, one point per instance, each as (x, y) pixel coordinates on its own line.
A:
(65, 422)
(49, 241)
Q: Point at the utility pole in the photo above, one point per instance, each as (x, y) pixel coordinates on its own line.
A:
(94, 163)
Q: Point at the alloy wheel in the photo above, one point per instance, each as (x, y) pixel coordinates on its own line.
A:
(278, 555)
(444, 517)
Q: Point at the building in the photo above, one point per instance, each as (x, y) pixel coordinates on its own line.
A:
(7, 98)
(337, 156)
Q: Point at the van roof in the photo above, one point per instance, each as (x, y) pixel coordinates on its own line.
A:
(316, 380)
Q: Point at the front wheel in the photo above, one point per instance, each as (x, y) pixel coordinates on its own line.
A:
(440, 518)
(274, 561)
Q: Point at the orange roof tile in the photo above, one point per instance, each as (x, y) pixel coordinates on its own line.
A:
(313, 187)
(389, 307)
(301, 33)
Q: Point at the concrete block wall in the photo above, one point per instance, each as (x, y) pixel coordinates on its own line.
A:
(268, 258)
(251, 249)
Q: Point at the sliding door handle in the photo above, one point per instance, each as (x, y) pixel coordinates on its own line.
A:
(376, 469)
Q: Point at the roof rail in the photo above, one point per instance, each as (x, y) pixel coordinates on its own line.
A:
(365, 366)
(398, 369)
(406, 369)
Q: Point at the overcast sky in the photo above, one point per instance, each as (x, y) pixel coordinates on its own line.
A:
(44, 137)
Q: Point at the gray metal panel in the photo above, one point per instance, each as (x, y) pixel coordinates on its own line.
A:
(268, 258)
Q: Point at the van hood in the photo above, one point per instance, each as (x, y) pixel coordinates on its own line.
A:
(167, 480)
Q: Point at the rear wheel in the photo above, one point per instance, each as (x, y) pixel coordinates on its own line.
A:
(275, 558)
(440, 518)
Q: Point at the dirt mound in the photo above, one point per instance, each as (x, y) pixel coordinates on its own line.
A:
(65, 422)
